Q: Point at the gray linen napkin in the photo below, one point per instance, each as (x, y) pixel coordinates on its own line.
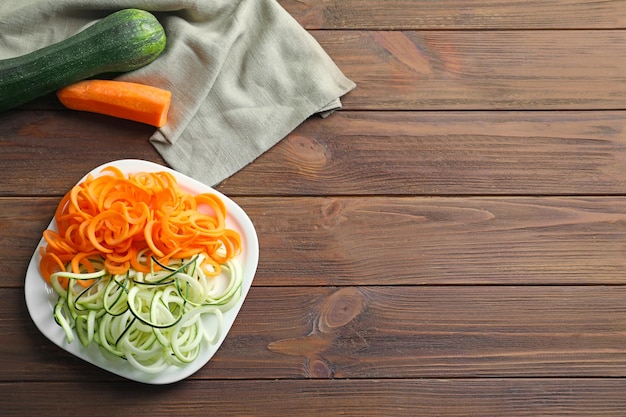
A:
(243, 73)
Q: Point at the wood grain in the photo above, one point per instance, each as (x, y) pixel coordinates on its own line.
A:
(22, 222)
(456, 14)
(478, 70)
(321, 241)
(353, 153)
(491, 397)
(444, 153)
(450, 243)
(383, 241)
(380, 332)
(40, 148)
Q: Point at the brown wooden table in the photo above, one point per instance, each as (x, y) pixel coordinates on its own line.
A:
(452, 242)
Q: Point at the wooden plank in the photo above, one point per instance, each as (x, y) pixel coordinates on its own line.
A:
(415, 332)
(456, 14)
(353, 153)
(449, 153)
(313, 398)
(401, 240)
(379, 332)
(40, 148)
(384, 241)
(477, 70)
(480, 70)
(22, 222)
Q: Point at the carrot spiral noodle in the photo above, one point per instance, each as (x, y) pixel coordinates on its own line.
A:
(125, 221)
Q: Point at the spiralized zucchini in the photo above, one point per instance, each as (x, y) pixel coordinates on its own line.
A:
(153, 320)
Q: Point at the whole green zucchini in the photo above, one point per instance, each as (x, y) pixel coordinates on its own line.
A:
(122, 41)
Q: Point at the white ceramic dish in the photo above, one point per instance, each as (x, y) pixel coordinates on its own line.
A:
(40, 299)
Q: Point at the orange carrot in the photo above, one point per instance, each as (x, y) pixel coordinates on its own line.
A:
(126, 100)
(126, 220)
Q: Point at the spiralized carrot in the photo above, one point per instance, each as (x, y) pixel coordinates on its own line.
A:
(124, 221)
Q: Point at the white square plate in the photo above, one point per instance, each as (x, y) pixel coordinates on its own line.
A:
(40, 298)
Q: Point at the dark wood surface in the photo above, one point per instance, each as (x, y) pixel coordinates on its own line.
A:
(451, 243)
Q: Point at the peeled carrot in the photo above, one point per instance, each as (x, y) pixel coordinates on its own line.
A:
(124, 221)
(138, 102)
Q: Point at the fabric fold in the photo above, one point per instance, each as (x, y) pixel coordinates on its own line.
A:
(243, 73)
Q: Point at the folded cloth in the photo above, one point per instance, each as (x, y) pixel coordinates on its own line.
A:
(243, 73)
